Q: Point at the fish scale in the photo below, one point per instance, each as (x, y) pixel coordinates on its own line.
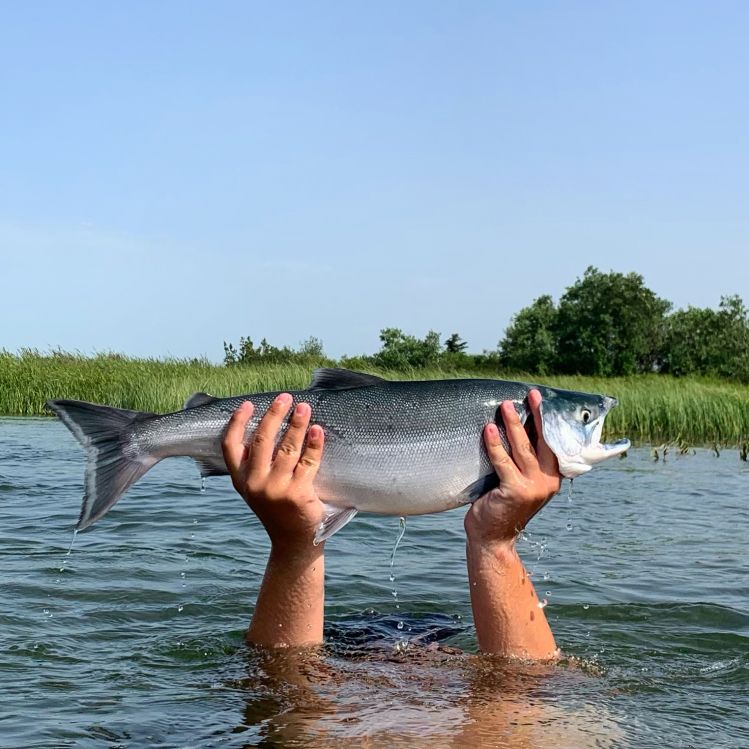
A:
(391, 447)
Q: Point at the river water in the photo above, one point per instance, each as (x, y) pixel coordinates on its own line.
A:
(136, 638)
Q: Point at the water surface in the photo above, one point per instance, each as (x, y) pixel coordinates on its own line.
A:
(136, 638)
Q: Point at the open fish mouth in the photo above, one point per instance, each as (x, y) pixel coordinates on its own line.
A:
(572, 429)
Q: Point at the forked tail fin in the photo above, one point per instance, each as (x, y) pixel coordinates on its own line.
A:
(112, 463)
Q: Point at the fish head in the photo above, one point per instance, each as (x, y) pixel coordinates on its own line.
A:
(572, 424)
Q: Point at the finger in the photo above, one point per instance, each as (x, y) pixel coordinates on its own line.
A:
(500, 458)
(264, 439)
(232, 445)
(546, 458)
(522, 451)
(290, 448)
(309, 464)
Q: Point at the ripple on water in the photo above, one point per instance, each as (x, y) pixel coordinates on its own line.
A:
(653, 625)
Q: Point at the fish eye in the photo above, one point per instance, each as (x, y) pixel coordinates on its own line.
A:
(585, 415)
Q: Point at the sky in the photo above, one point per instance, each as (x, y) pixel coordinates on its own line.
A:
(178, 174)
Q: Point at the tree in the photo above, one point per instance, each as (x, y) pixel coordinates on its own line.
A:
(529, 344)
(455, 344)
(609, 324)
(309, 352)
(400, 350)
(709, 342)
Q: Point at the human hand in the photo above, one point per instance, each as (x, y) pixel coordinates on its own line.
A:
(279, 490)
(527, 480)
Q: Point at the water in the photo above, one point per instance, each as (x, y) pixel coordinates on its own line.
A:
(136, 638)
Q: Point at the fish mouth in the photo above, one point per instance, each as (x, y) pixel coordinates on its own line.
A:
(601, 451)
(578, 448)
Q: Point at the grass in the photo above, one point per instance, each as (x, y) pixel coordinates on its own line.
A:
(654, 409)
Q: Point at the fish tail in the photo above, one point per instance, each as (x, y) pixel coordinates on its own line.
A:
(112, 465)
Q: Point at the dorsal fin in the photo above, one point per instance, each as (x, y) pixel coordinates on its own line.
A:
(199, 399)
(329, 378)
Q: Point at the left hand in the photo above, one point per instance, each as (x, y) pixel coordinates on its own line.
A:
(278, 489)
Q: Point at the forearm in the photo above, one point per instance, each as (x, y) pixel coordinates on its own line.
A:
(506, 611)
(290, 606)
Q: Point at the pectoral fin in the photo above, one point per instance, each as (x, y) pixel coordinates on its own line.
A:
(212, 467)
(478, 488)
(335, 518)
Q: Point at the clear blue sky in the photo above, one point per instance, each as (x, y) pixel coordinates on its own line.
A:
(174, 174)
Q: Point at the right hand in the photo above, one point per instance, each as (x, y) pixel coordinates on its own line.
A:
(279, 490)
(527, 480)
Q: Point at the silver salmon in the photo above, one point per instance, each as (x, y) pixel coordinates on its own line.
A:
(391, 447)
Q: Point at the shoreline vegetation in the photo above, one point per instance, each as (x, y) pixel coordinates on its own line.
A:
(655, 409)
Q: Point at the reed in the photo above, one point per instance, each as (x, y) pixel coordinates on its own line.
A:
(654, 409)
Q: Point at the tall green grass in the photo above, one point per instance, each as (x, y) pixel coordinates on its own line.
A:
(653, 409)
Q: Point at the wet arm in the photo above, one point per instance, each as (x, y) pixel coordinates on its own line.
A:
(290, 606)
(278, 487)
(509, 620)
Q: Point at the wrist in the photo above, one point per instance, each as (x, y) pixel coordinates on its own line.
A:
(481, 536)
(296, 551)
(500, 552)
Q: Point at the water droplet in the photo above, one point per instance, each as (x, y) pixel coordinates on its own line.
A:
(179, 608)
(548, 592)
(392, 577)
(202, 484)
(194, 522)
(586, 606)
(542, 604)
(399, 625)
(569, 525)
(181, 574)
(547, 576)
(45, 612)
(72, 541)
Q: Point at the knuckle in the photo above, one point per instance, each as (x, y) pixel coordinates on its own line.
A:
(308, 461)
(288, 450)
(528, 449)
(504, 460)
(259, 439)
(254, 486)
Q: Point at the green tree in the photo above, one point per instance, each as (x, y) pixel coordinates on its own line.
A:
(529, 344)
(609, 324)
(400, 350)
(455, 344)
(709, 342)
(309, 352)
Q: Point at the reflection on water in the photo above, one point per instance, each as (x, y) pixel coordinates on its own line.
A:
(416, 696)
(136, 638)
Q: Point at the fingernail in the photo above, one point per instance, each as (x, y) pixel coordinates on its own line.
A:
(302, 409)
(493, 431)
(283, 399)
(315, 432)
